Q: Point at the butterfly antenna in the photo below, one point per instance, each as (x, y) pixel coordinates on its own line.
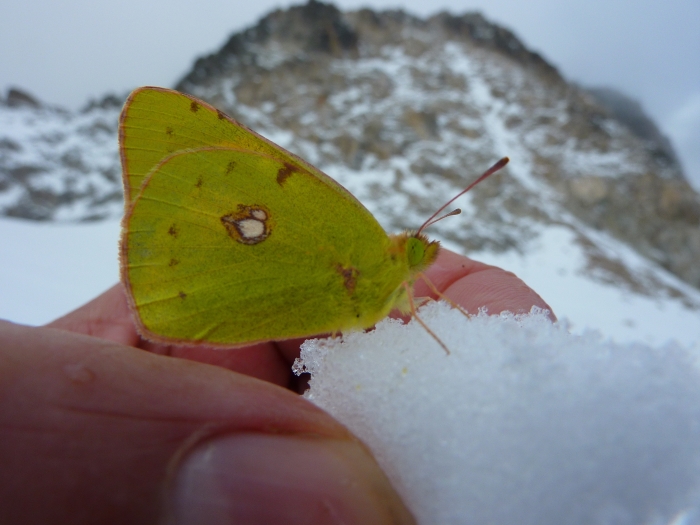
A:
(453, 212)
(493, 169)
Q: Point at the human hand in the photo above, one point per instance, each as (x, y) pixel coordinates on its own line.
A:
(96, 430)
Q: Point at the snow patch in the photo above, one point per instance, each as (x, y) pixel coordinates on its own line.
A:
(523, 423)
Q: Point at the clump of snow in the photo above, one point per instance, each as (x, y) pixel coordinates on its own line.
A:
(522, 424)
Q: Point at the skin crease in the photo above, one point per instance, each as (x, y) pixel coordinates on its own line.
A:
(93, 429)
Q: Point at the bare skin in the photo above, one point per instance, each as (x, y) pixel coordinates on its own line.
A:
(99, 426)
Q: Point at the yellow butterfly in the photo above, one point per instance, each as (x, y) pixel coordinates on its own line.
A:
(230, 240)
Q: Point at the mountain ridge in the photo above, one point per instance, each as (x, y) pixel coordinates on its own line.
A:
(398, 108)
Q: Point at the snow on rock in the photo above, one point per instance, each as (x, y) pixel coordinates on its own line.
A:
(59, 165)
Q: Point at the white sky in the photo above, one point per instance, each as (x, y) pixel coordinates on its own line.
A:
(67, 51)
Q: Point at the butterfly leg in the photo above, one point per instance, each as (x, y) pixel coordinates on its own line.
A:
(442, 296)
(415, 315)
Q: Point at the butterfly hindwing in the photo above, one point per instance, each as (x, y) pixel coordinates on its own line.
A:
(219, 247)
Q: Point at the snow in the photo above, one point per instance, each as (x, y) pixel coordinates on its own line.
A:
(522, 424)
(554, 266)
(46, 269)
(49, 269)
(72, 156)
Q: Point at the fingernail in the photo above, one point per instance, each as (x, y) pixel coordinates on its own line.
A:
(275, 479)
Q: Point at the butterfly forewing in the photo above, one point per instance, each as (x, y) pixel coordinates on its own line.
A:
(158, 122)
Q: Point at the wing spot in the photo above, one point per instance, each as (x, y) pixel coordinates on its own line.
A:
(199, 182)
(181, 294)
(251, 228)
(173, 262)
(194, 107)
(173, 230)
(230, 167)
(285, 172)
(349, 276)
(249, 225)
(221, 114)
(169, 131)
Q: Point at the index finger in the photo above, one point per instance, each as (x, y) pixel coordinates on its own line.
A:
(473, 285)
(109, 317)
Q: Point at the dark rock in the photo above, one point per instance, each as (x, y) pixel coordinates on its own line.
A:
(311, 28)
(17, 98)
(109, 101)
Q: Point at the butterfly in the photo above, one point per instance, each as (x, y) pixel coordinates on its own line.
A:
(230, 240)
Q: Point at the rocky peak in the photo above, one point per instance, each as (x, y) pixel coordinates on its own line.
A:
(318, 28)
(109, 102)
(403, 111)
(424, 99)
(16, 98)
(299, 31)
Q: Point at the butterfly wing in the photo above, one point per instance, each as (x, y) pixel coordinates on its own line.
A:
(228, 245)
(158, 122)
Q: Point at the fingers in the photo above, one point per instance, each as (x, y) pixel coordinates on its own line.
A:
(262, 361)
(97, 432)
(473, 285)
(109, 317)
(469, 283)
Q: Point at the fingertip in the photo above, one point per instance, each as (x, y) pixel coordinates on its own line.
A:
(496, 290)
(447, 269)
(473, 285)
(107, 316)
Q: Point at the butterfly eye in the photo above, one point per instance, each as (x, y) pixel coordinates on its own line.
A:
(415, 251)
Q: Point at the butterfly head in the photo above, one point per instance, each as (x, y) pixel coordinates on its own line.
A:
(420, 251)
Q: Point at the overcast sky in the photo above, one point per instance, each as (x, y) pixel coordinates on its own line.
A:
(66, 51)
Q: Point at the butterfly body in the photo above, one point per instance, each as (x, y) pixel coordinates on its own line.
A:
(229, 240)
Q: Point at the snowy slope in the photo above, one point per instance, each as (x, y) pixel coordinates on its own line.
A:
(49, 269)
(555, 266)
(586, 212)
(59, 165)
